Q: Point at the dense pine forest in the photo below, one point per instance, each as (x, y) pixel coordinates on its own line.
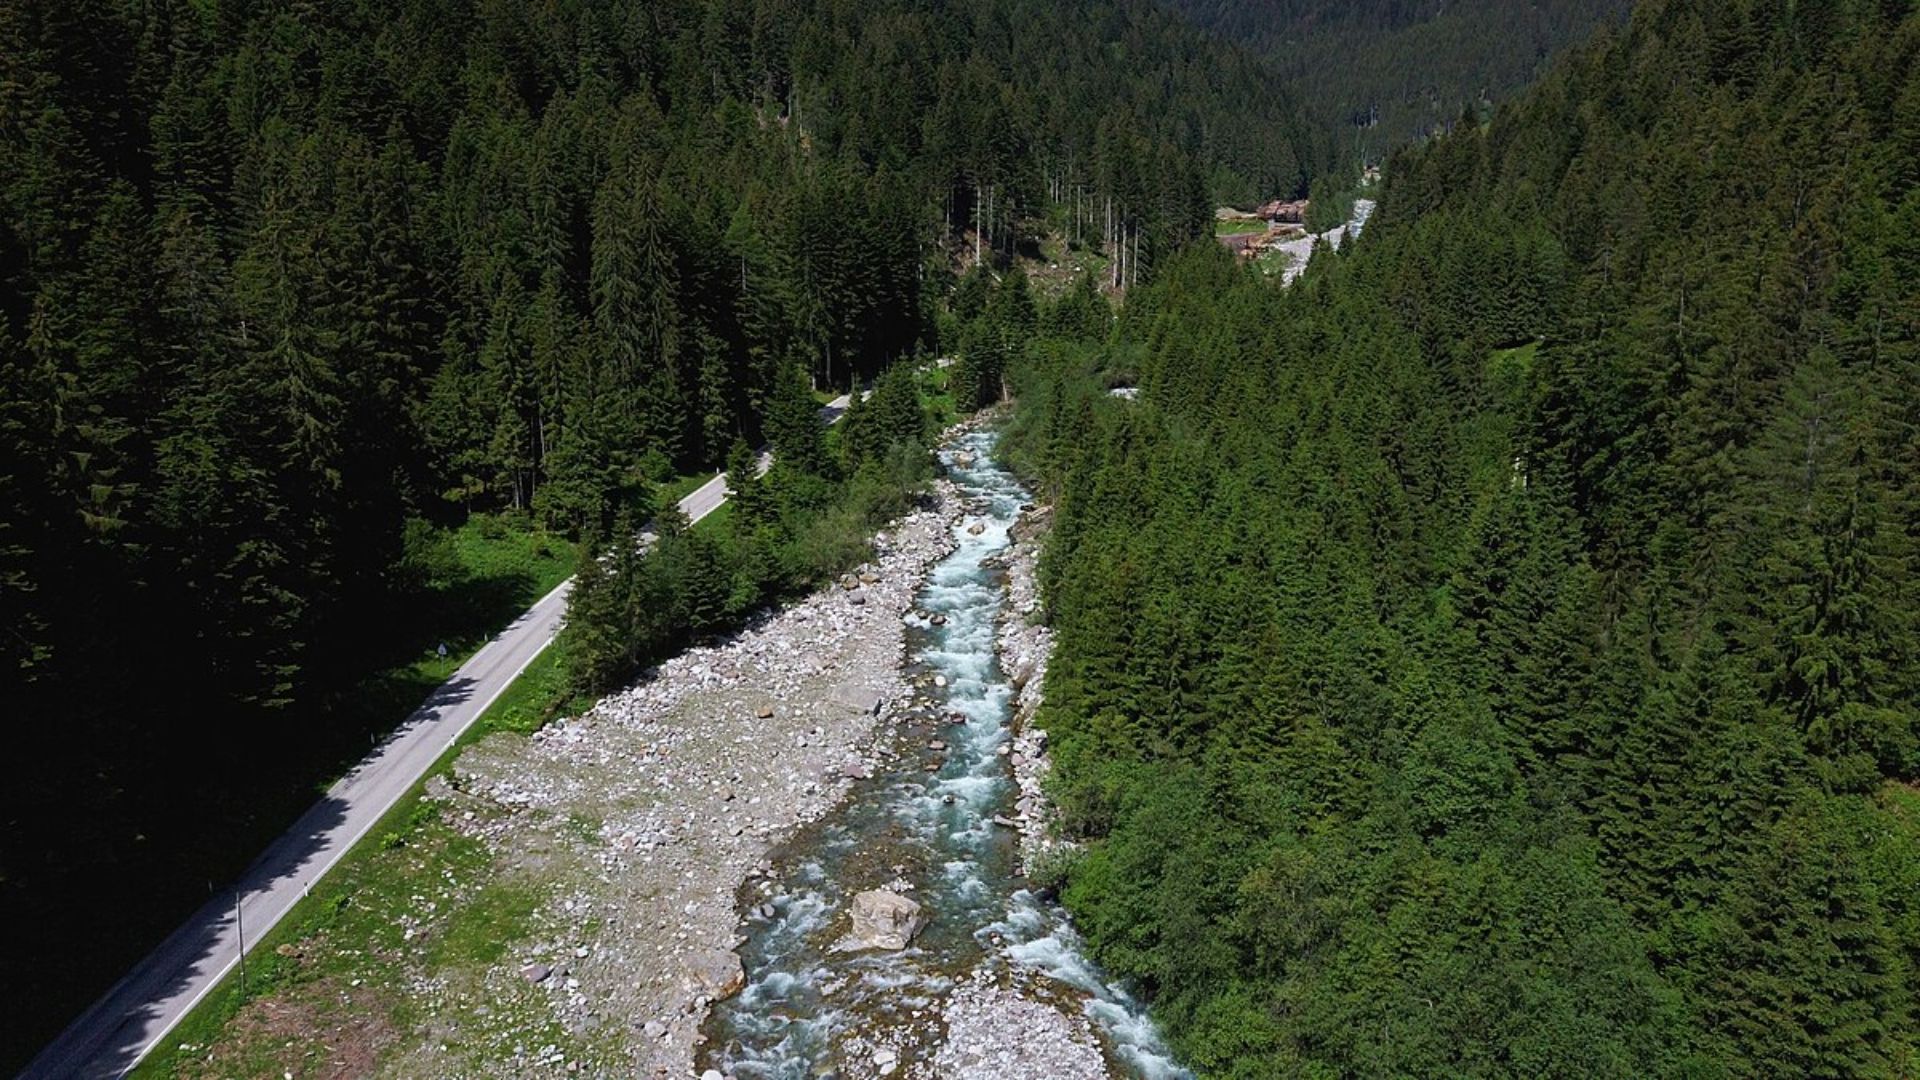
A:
(1498, 654)
(1495, 654)
(1379, 73)
(299, 303)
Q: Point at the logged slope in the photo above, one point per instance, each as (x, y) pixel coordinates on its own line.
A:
(1497, 653)
(1381, 72)
(279, 284)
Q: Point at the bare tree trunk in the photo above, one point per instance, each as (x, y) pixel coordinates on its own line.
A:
(979, 223)
(1106, 243)
(991, 246)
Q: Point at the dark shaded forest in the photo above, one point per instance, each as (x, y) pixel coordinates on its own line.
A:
(289, 290)
(1380, 73)
(1498, 654)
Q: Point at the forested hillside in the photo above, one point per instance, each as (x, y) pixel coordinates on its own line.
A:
(1381, 72)
(289, 291)
(1498, 654)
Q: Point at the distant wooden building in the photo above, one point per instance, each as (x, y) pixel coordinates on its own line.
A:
(1285, 212)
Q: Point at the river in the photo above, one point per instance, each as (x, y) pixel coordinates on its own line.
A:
(924, 827)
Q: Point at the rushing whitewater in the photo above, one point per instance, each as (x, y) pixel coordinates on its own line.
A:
(924, 828)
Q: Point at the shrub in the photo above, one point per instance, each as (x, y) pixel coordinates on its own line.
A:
(427, 557)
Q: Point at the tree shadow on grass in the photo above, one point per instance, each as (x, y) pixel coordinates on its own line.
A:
(108, 1038)
(398, 675)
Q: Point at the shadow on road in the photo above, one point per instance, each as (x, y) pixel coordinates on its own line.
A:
(107, 1039)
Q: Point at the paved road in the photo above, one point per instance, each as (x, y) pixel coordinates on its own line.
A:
(130, 1020)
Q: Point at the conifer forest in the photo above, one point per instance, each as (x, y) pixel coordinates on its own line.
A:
(1492, 652)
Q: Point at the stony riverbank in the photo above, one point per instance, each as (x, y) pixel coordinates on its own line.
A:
(639, 820)
(997, 1032)
(1025, 645)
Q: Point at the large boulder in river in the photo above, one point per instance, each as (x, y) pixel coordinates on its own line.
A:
(882, 919)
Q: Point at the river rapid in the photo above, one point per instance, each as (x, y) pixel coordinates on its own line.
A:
(923, 826)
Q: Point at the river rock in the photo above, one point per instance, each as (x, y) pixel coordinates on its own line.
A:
(861, 699)
(716, 973)
(976, 528)
(882, 919)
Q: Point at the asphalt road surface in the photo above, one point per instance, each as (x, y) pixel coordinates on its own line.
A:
(107, 1040)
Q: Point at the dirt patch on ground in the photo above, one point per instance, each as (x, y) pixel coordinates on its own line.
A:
(326, 1029)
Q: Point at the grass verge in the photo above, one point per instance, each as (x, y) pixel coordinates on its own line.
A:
(1238, 226)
